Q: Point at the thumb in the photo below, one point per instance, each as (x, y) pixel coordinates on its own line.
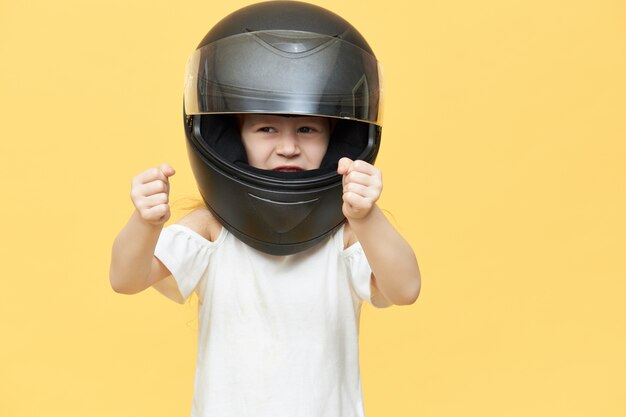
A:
(344, 165)
(167, 169)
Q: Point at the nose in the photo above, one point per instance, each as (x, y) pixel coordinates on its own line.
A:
(288, 145)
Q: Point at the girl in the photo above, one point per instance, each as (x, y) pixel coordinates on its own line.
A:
(278, 315)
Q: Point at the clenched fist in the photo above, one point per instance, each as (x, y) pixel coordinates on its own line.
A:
(362, 185)
(150, 194)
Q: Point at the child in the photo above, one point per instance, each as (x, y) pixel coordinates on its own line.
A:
(278, 322)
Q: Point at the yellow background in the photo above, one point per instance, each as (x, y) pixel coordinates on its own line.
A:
(503, 159)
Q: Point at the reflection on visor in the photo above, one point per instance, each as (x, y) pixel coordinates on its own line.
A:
(284, 72)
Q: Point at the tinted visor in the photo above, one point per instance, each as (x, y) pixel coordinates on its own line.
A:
(284, 72)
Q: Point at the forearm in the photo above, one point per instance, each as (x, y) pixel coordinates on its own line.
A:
(391, 258)
(132, 255)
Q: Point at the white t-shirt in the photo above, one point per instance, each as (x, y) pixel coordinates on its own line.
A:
(278, 335)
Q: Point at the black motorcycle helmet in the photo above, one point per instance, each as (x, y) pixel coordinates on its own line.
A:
(285, 58)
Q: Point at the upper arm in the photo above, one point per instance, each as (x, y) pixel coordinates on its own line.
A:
(376, 297)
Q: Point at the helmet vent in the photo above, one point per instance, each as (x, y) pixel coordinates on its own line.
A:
(293, 42)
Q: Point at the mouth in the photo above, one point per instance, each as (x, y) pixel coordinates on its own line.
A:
(288, 169)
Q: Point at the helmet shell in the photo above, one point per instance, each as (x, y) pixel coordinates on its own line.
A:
(287, 58)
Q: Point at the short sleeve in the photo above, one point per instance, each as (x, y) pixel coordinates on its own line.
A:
(359, 271)
(186, 254)
(360, 274)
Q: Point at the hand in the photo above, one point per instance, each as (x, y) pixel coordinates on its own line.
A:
(150, 194)
(362, 185)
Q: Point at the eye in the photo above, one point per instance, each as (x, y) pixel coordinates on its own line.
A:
(266, 129)
(306, 129)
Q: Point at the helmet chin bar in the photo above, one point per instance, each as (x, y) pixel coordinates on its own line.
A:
(278, 222)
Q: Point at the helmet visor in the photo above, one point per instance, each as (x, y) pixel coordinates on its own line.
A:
(284, 72)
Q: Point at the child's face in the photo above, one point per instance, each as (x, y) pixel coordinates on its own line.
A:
(282, 143)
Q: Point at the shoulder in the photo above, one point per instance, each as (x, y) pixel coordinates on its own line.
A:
(203, 222)
(349, 238)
